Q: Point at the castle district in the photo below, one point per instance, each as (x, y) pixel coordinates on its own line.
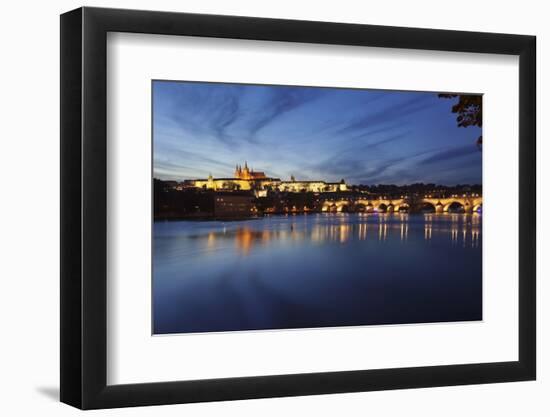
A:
(250, 193)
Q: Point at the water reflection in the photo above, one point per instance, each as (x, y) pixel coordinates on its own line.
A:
(463, 229)
(404, 231)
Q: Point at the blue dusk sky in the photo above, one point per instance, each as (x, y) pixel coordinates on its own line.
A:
(362, 136)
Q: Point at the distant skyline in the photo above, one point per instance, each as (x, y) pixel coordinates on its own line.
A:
(362, 136)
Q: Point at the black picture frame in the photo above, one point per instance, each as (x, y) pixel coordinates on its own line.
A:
(84, 207)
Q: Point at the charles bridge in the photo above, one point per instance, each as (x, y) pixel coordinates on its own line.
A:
(467, 203)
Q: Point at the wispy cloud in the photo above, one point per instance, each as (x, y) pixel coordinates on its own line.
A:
(201, 110)
(358, 135)
(278, 102)
(382, 115)
(453, 153)
(225, 115)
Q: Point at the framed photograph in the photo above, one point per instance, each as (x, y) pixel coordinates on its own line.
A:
(258, 208)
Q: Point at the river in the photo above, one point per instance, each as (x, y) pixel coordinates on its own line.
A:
(316, 270)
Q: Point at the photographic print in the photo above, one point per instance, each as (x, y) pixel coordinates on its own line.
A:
(295, 207)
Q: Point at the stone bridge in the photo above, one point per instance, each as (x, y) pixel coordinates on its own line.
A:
(469, 204)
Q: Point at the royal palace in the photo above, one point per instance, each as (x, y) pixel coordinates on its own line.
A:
(245, 178)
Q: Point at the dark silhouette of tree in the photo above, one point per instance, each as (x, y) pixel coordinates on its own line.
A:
(469, 111)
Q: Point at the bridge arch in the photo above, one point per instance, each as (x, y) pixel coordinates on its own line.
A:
(382, 208)
(329, 207)
(360, 207)
(401, 207)
(454, 206)
(428, 207)
(343, 208)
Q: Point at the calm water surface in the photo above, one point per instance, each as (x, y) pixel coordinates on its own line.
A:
(316, 270)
